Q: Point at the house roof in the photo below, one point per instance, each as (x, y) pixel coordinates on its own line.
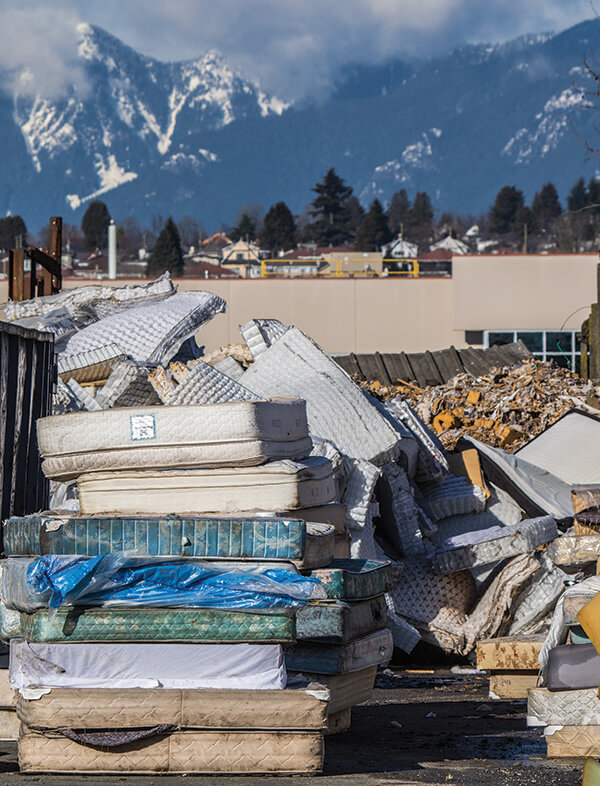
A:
(207, 270)
(437, 254)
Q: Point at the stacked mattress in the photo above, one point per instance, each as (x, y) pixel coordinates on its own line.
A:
(342, 640)
(147, 632)
(567, 705)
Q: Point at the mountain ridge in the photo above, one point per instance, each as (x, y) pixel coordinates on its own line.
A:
(198, 137)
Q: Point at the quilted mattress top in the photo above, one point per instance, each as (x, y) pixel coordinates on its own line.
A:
(127, 427)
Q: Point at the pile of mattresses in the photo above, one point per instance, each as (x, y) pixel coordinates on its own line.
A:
(342, 640)
(466, 531)
(566, 701)
(147, 633)
(513, 664)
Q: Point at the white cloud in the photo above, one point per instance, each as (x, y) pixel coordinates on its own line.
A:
(294, 47)
(38, 49)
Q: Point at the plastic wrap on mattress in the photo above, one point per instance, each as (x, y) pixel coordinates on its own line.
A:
(125, 580)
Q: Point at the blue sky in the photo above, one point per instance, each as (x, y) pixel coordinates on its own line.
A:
(294, 47)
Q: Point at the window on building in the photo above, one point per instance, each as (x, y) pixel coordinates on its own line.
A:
(560, 346)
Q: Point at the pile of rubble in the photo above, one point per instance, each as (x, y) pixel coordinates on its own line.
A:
(505, 408)
(465, 525)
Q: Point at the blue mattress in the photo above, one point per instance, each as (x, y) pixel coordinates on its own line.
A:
(228, 538)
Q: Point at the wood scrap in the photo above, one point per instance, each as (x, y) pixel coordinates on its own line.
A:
(505, 408)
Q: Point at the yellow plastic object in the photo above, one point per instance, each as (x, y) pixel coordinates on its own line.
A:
(591, 773)
(589, 619)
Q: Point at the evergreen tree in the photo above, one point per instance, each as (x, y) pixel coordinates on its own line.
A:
(545, 207)
(331, 210)
(420, 218)
(523, 218)
(398, 212)
(593, 192)
(356, 214)
(245, 229)
(279, 229)
(12, 227)
(94, 225)
(509, 201)
(167, 253)
(578, 196)
(374, 231)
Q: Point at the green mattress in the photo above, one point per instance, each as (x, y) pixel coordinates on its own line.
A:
(355, 579)
(188, 536)
(149, 624)
(339, 622)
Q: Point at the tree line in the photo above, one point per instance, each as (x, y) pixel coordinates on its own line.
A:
(335, 217)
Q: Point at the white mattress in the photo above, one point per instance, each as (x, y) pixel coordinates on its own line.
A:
(337, 409)
(151, 332)
(563, 707)
(204, 384)
(259, 334)
(235, 433)
(569, 449)
(275, 485)
(177, 666)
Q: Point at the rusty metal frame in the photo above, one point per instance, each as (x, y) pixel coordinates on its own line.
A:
(45, 277)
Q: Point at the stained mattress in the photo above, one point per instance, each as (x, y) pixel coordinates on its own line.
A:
(563, 708)
(182, 751)
(574, 549)
(500, 544)
(89, 708)
(345, 690)
(338, 621)
(235, 433)
(572, 741)
(355, 579)
(278, 484)
(227, 538)
(155, 625)
(311, 657)
(114, 666)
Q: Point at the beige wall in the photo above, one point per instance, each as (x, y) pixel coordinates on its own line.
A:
(394, 314)
(527, 292)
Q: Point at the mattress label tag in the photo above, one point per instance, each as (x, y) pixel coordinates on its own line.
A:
(142, 427)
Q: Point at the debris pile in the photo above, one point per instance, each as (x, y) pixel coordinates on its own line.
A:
(268, 450)
(504, 409)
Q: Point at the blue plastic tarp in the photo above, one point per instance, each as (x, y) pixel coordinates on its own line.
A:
(125, 580)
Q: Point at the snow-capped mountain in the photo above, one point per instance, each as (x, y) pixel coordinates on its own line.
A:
(198, 137)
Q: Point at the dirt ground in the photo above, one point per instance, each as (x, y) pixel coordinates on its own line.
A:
(420, 727)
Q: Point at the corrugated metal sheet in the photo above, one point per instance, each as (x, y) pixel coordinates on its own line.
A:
(432, 368)
(27, 372)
